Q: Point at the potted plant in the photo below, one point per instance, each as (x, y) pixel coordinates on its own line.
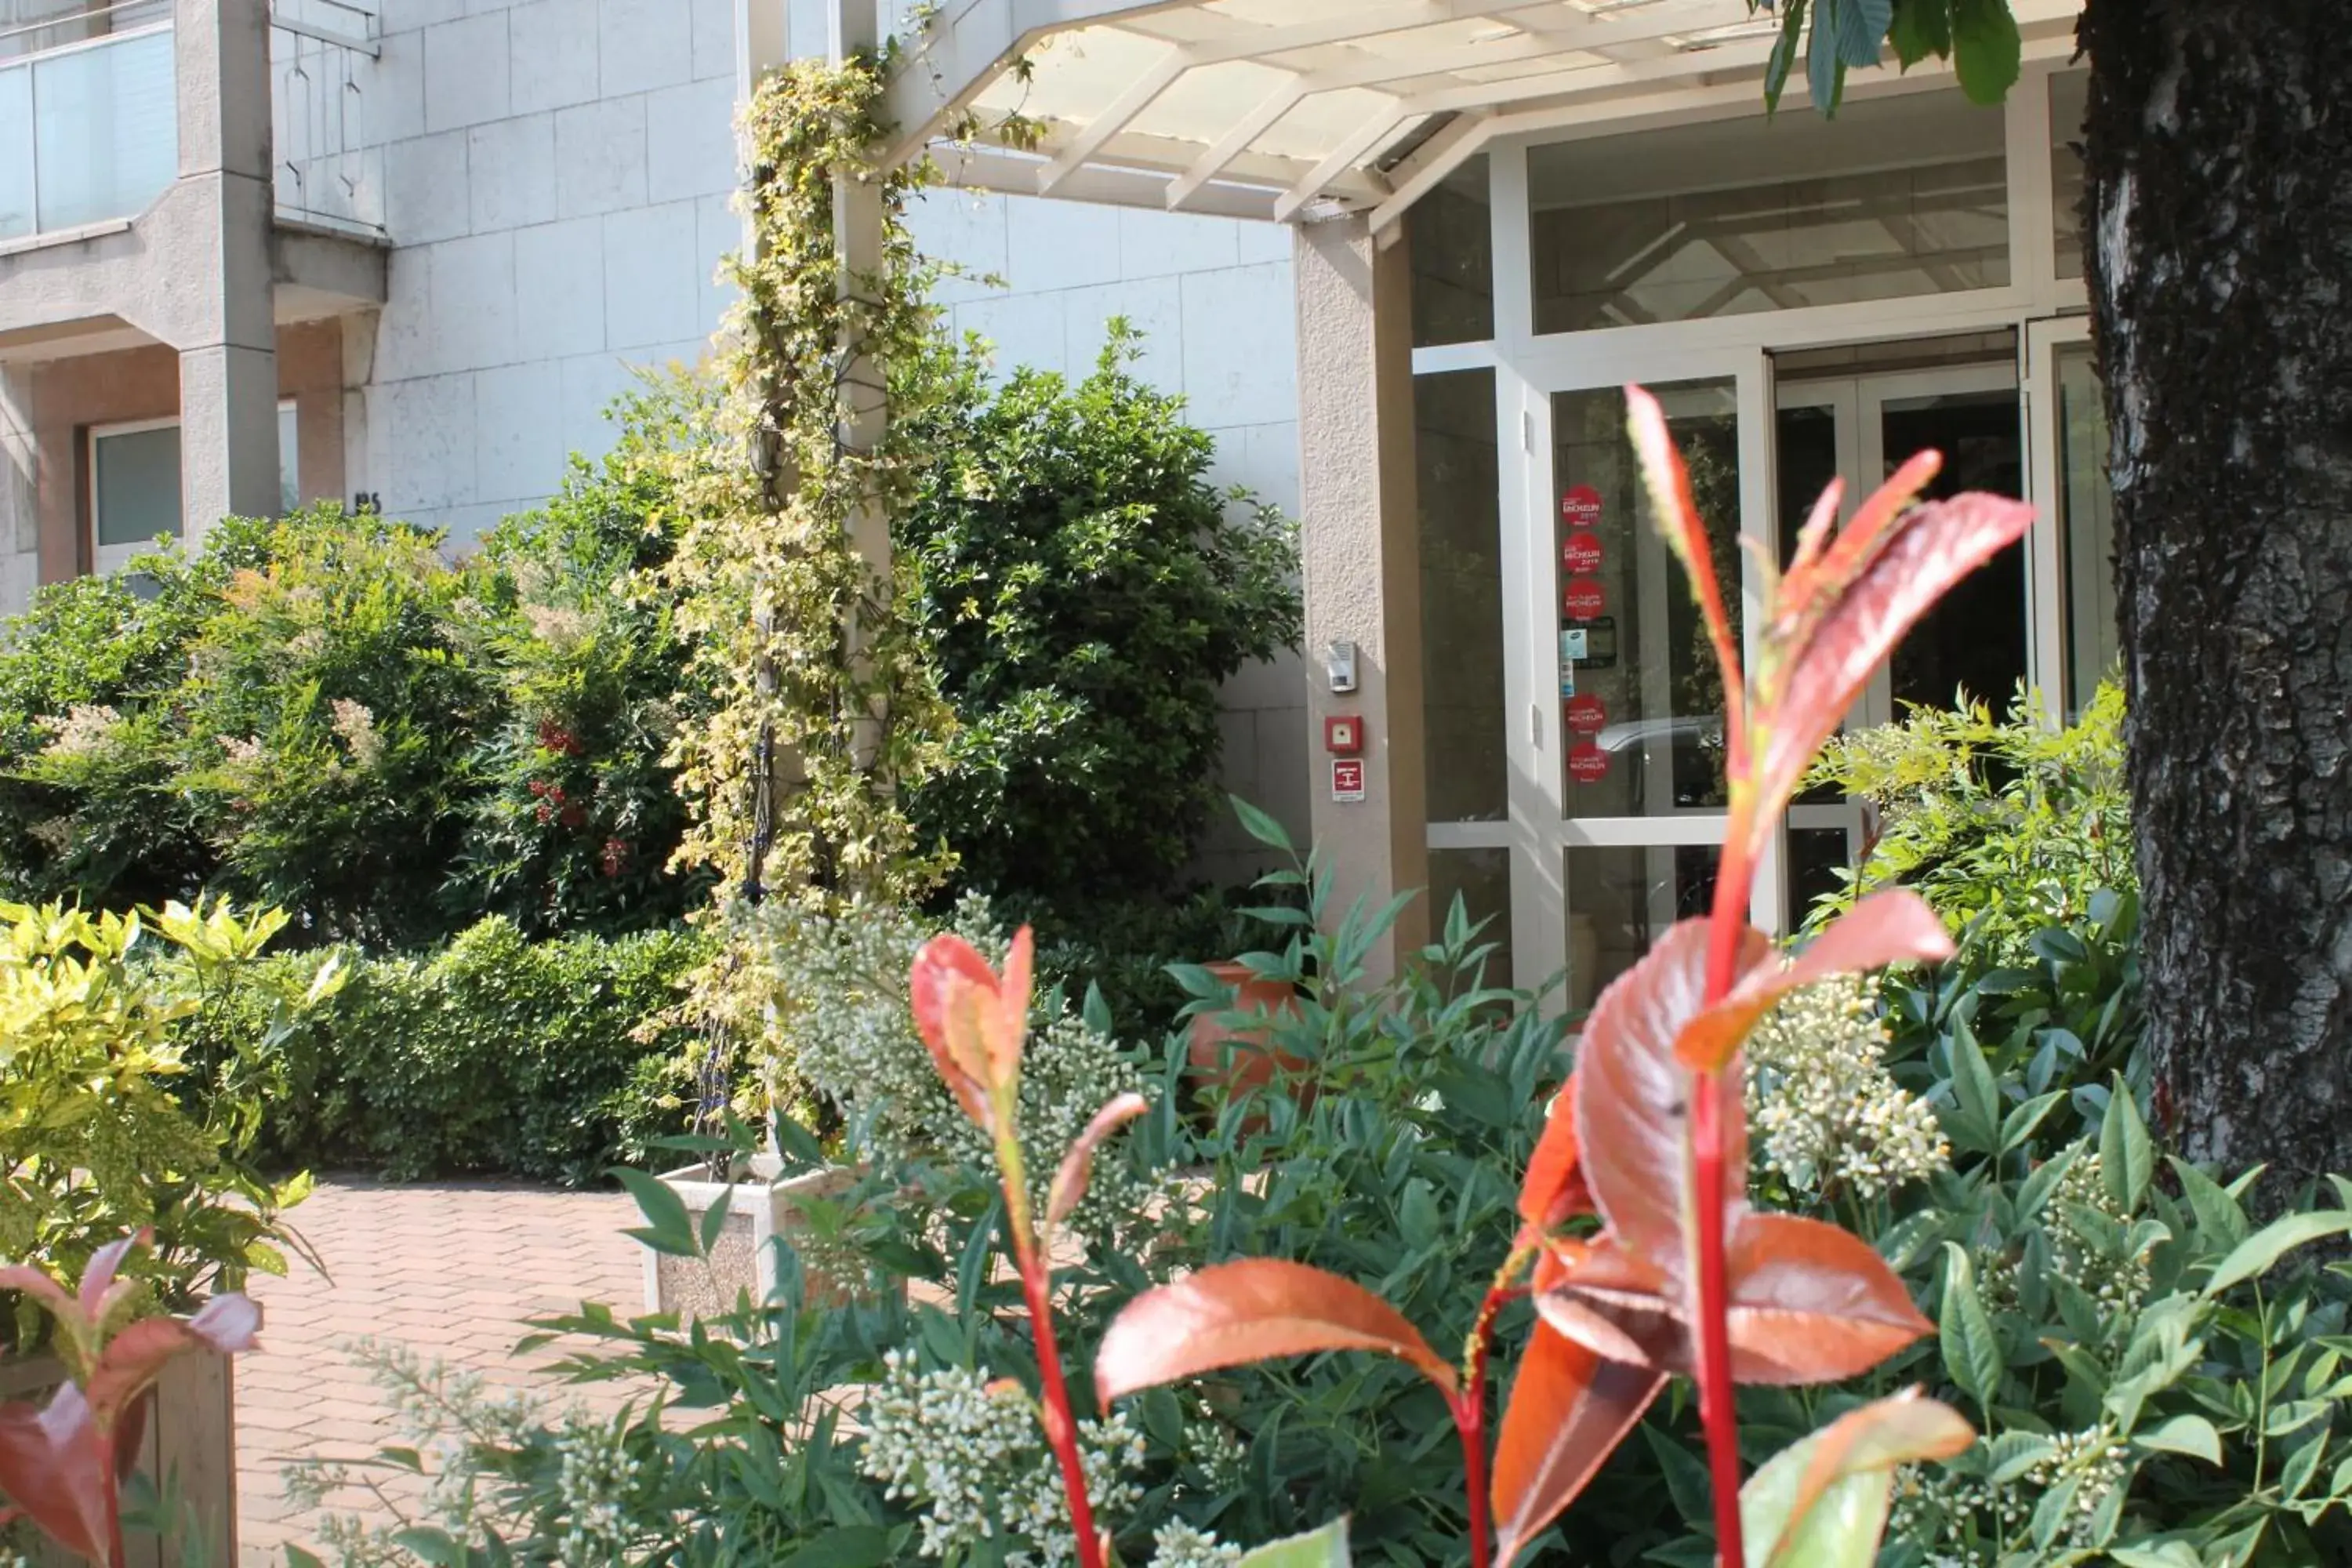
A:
(1230, 1033)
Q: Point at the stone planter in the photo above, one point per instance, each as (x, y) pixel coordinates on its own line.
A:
(764, 1206)
(190, 1437)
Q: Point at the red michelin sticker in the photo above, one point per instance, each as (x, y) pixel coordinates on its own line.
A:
(1580, 506)
(1583, 601)
(1580, 552)
(1587, 764)
(1586, 716)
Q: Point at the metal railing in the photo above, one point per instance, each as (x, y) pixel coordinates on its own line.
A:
(327, 173)
(89, 118)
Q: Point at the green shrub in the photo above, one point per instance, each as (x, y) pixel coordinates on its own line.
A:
(2013, 825)
(109, 1122)
(497, 1054)
(1087, 590)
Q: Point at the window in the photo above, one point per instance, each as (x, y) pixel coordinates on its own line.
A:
(1452, 235)
(2070, 96)
(1893, 198)
(1468, 767)
(134, 485)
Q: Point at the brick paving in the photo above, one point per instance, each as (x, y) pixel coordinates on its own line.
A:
(452, 1271)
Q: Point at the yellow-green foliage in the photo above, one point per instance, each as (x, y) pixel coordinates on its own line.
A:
(103, 1019)
(2011, 823)
(821, 706)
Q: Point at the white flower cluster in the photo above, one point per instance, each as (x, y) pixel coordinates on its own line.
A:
(975, 1460)
(1934, 1508)
(843, 1024)
(85, 729)
(1825, 1111)
(354, 723)
(1179, 1545)
(2119, 1285)
(449, 1416)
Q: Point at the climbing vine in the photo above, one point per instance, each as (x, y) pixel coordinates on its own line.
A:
(820, 707)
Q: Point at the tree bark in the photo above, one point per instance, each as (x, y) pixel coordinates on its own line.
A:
(2219, 225)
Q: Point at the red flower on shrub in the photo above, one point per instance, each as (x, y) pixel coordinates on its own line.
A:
(616, 856)
(554, 737)
(574, 815)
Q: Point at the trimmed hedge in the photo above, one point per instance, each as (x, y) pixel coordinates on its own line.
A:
(496, 1055)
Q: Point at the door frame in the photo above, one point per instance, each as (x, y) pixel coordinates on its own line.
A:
(1541, 831)
(2047, 554)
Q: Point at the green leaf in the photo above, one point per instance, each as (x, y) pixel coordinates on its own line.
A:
(2259, 1251)
(2191, 1434)
(1326, 1548)
(714, 1220)
(1824, 74)
(668, 1229)
(1975, 1091)
(2217, 1212)
(1971, 1350)
(858, 1546)
(1862, 26)
(1688, 1483)
(297, 1558)
(1822, 1502)
(2022, 1120)
(2127, 1154)
(1988, 51)
(1921, 27)
(435, 1547)
(1260, 824)
(1784, 52)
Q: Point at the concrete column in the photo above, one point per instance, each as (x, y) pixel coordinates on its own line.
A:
(229, 354)
(1360, 553)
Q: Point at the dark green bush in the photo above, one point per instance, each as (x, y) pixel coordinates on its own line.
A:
(1087, 591)
(496, 1055)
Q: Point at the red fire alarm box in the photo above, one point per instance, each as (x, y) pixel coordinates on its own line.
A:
(1343, 734)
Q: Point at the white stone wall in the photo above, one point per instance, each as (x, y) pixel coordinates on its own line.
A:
(1212, 298)
(556, 176)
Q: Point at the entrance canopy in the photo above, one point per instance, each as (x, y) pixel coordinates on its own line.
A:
(1299, 108)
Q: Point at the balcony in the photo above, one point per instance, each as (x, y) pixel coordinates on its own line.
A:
(88, 117)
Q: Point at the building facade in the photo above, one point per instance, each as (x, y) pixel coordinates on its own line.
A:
(404, 253)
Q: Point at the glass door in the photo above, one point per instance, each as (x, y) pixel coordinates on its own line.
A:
(1625, 735)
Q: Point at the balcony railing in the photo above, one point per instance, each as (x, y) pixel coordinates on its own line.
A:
(328, 174)
(90, 124)
(89, 127)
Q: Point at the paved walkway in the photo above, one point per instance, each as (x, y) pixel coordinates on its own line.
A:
(451, 1272)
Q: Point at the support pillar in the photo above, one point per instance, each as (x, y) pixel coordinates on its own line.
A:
(229, 358)
(1360, 556)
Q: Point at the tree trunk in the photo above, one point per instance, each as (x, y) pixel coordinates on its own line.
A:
(2220, 153)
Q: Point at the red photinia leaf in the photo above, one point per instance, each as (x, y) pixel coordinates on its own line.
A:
(1078, 1164)
(1668, 483)
(972, 1022)
(1555, 1189)
(53, 1469)
(1633, 1098)
(1891, 927)
(1930, 549)
(1568, 1411)
(1235, 1313)
(134, 1358)
(1823, 570)
(1902, 1430)
(1812, 1303)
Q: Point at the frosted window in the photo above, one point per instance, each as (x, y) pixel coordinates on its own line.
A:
(137, 487)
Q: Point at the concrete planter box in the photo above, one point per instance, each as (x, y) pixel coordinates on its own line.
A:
(191, 1437)
(763, 1207)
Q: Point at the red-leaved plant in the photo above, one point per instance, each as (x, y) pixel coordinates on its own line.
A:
(1649, 1135)
(62, 1464)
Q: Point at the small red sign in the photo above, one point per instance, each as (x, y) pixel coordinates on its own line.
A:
(1587, 764)
(1347, 780)
(1584, 601)
(1580, 552)
(1586, 716)
(1580, 506)
(1343, 734)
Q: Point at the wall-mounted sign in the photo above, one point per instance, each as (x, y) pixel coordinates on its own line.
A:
(1587, 764)
(1580, 552)
(1347, 780)
(1580, 507)
(1567, 678)
(1592, 645)
(1584, 600)
(1588, 715)
(1574, 641)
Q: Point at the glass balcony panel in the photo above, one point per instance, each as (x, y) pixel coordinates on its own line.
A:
(105, 130)
(15, 152)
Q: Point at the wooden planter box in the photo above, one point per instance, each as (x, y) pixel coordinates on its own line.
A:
(761, 1209)
(191, 1437)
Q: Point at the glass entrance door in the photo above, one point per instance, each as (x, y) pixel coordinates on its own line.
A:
(1978, 640)
(1625, 733)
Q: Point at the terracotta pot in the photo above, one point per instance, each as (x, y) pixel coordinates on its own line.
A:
(1238, 1060)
